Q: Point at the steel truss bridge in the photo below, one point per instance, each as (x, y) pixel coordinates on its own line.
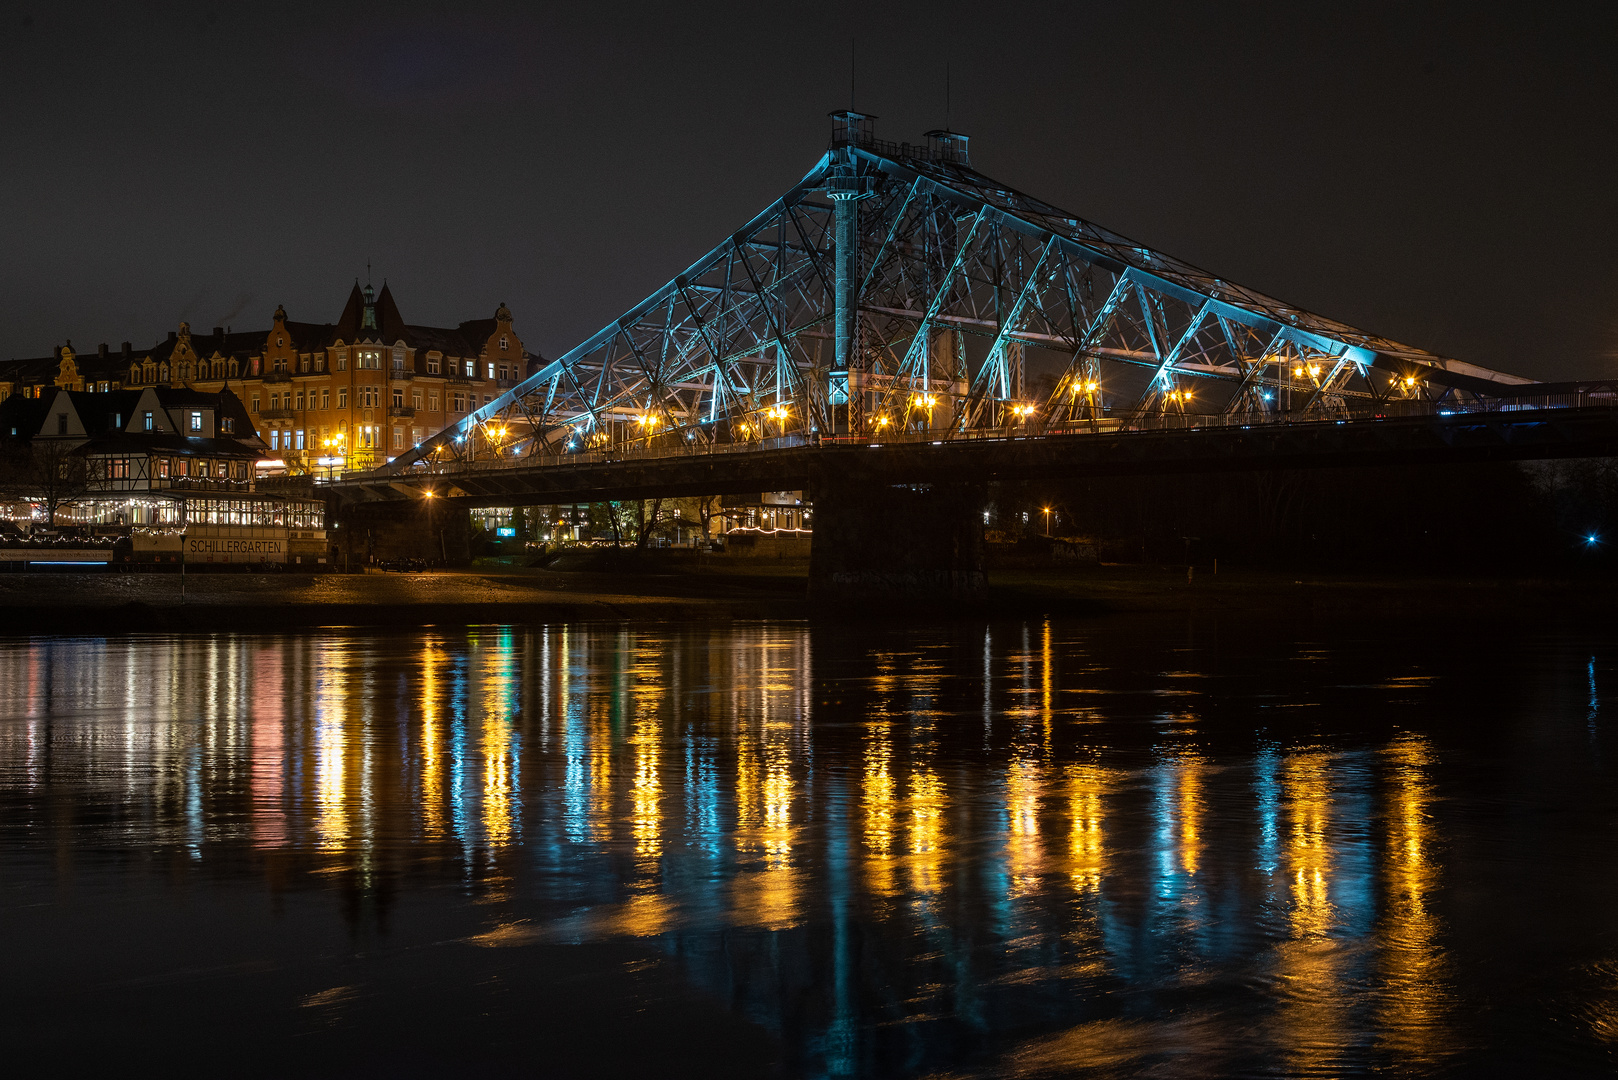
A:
(897, 299)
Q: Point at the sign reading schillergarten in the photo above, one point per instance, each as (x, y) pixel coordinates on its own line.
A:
(224, 544)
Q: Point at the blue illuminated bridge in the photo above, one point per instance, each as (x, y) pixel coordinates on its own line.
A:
(899, 321)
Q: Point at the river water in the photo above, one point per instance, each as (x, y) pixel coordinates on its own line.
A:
(1115, 848)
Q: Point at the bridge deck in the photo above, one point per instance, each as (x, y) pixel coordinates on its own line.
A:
(1215, 444)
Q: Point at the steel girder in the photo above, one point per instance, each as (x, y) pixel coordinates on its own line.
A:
(737, 348)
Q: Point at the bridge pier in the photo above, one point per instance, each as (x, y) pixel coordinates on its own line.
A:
(876, 542)
(363, 533)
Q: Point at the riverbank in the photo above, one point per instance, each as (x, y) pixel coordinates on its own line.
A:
(96, 603)
(99, 603)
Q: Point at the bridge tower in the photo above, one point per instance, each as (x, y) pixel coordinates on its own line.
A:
(845, 187)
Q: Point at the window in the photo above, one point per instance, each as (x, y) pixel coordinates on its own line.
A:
(303, 365)
(342, 397)
(320, 361)
(204, 468)
(61, 423)
(118, 468)
(491, 370)
(228, 425)
(470, 370)
(487, 399)
(432, 365)
(253, 367)
(275, 438)
(182, 467)
(460, 401)
(342, 359)
(432, 400)
(415, 436)
(146, 418)
(502, 343)
(280, 341)
(398, 438)
(300, 399)
(163, 373)
(163, 468)
(255, 404)
(398, 397)
(196, 421)
(299, 436)
(280, 363)
(504, 371)
(415, 399)
(373, 360)
(398, 358)
(325, 397)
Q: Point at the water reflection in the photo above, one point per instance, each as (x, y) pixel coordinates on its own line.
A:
(899, 860)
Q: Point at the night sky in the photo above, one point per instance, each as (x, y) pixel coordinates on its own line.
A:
(1444, 176)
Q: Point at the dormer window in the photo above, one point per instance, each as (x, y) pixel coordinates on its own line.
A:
(196, 422)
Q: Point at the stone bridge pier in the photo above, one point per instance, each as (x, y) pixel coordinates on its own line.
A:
(878, 541)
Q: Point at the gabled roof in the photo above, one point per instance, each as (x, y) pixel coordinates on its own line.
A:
(112, 442)
(27, 415)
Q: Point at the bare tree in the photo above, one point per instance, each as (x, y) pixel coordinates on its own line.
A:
(47, 471)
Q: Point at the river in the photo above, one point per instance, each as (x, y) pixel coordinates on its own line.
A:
(1120, 847)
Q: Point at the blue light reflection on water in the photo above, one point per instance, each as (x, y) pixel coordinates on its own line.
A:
(1023, 848)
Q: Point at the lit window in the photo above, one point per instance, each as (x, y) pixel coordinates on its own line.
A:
(196, 421)
(342, 397)
(147, 418)
(275, 438)
(491, 370)
(398, 438)
(299, 435)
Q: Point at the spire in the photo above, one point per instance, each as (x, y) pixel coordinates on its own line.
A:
(368, 322)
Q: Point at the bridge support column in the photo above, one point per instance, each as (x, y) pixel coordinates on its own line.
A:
(877, 542)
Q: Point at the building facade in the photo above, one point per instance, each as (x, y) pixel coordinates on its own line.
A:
(162, 466)
(325, 397)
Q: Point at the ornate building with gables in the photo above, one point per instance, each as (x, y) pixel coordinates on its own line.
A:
(324, 397)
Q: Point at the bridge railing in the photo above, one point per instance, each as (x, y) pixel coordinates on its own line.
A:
(1391, 410)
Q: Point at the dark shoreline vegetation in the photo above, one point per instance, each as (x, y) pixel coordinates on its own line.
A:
(98, 603)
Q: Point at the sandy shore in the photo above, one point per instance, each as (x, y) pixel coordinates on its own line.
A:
(100, 603)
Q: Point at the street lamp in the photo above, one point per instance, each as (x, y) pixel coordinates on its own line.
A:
(1047, 521)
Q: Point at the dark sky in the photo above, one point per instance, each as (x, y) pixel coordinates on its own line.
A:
(1445, 176)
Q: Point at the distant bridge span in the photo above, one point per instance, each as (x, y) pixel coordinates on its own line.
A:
(637, 473)
(898, 319)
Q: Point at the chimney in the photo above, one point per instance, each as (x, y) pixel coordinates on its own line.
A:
(128, 349)
(173, 336)
(101, 350)
(219, 331)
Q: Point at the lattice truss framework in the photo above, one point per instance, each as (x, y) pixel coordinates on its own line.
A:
(981, 310)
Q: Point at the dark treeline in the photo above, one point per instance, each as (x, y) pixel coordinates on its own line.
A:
(1521, 518)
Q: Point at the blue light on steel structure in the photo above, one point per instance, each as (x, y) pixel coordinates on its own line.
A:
(897, 290)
